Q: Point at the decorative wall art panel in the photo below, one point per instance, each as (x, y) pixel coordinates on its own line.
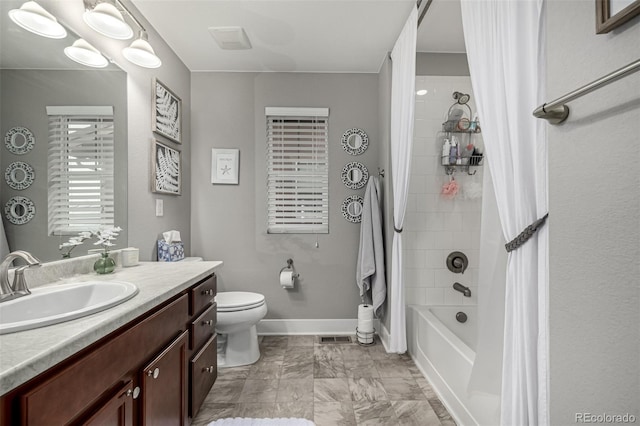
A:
(19, 140)
(167, 112)
(166, 169)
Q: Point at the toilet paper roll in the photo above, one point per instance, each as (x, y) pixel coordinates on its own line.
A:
(286, 278)
(365, 326)
(365, 312)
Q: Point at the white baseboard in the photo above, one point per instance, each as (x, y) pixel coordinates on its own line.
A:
(384, 337)
(268, 327)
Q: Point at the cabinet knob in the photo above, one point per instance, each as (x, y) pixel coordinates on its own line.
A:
(210, 369)
(208, 292)
(135, 393)
(207, 322)
(154, 373)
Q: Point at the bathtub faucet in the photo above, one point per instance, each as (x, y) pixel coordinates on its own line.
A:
(462, 289)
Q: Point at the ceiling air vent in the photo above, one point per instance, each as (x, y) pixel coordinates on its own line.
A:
(230, 38)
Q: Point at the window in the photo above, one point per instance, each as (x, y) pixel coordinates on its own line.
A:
(297, 170)
(80, 163)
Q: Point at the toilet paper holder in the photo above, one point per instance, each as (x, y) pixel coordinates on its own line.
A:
(290, 266)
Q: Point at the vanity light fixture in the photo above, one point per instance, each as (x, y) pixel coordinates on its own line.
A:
(106, 19)
(84, 53)
(34, 18)
(421, 92)
(141, 53)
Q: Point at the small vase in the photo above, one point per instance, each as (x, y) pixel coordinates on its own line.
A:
(104, 265)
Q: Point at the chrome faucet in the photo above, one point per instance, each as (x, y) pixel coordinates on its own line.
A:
(19, 287)
(462, 289)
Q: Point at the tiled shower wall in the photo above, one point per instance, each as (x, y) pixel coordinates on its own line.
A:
(435, 226)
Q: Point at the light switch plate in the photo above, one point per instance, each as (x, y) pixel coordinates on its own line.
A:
(159, 207)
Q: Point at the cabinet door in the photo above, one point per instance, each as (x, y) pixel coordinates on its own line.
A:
(164, 385)
(204, 370)
(118, 410)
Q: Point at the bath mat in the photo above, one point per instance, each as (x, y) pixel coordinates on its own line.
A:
(239, 421)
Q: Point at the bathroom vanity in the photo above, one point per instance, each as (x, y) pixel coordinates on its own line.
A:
(150, 360)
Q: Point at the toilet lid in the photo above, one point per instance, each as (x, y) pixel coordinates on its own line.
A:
(238, 300)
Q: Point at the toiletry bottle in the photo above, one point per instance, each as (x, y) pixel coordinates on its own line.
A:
(453, 153)
(446, 150)
(474, 123)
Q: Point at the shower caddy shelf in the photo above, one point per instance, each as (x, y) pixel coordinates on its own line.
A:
(458, 124)
(475, 160)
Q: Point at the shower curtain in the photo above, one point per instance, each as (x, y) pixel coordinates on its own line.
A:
(506, 53)
(403, 80)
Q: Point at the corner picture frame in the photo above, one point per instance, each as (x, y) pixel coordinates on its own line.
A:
(166, 169)
(610, 14)
(225, 166)
(166, 117)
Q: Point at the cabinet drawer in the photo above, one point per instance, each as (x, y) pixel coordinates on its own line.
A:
(202, 294)
(204, 371)
(202, 327)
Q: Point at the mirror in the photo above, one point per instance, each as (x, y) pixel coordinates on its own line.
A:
(355, 175)
(352, 208)
(355, 141)
(34, 74)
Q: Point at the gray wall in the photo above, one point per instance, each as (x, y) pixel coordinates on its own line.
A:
(144, 226)
(594, 198)
(229, 221)
(449, 64)
(25, 96)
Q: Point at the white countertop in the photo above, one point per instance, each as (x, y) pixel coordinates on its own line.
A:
(25, 354)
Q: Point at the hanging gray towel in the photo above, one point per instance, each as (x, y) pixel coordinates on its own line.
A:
(370, 273)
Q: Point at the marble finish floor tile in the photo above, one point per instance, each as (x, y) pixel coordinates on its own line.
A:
(259, 390)
(367, 389)
(402, 389)
(375, 413)
(292, 390)
(330, 384)
(415, 413)
(334, 414)
(331, 390)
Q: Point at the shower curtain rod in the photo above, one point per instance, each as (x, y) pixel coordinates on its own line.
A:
(556, 111)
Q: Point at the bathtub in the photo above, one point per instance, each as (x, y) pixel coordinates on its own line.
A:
(444, 350)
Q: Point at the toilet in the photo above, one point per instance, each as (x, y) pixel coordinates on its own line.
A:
(238, 314)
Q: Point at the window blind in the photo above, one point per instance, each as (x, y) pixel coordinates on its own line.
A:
(80, 171)
(298, 166)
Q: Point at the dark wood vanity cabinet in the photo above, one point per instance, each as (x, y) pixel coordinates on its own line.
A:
(156, 370)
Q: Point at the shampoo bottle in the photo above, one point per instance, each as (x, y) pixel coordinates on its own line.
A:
(446, 150)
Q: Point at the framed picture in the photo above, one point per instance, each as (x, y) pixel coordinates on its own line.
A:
(224, 166)
(166, 169)
(610, 14)
(167, 112)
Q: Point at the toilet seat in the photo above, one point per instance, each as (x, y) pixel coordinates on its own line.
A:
(232, 301)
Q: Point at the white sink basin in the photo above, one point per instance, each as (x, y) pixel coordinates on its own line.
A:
(59, 303)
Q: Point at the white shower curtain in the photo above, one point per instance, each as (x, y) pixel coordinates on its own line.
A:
(403, 81)
(505, 47)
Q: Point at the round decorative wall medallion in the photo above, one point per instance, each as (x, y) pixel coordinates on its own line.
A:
(19, 210)
(355, 175)
(19, 175)
(355, 141)
(352, 208)
(19, 140)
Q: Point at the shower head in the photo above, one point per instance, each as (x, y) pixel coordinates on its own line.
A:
(462, 98)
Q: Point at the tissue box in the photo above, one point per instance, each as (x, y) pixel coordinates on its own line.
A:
(170, 252)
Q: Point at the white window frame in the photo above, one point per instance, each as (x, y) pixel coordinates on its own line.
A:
(81, 194)
(297, 170)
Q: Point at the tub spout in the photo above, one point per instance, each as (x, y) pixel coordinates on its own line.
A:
(462, 289)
